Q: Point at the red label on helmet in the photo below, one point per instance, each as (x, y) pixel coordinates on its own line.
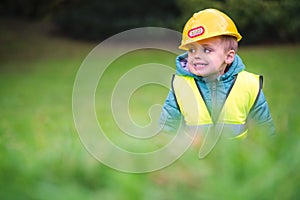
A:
(194, 32)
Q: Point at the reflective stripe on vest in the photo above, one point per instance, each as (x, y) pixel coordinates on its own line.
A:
(233, 115)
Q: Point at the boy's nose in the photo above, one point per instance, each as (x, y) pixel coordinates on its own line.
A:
(199, 54)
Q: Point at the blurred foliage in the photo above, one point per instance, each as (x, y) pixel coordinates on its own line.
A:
(259, 21)
(31, 9)
(92, 19)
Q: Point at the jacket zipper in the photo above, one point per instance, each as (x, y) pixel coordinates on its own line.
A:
(214, 101)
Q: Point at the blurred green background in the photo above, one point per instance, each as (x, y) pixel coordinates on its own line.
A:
(259, 21)
(43, 44)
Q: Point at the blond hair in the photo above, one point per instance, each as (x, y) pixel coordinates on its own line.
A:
(230, 42)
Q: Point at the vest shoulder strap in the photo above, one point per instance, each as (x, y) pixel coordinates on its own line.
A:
(190, 101)
(242, 97)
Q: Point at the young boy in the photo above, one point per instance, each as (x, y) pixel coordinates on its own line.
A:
(211, 87)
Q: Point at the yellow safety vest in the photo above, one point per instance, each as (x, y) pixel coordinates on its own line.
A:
(233, 115)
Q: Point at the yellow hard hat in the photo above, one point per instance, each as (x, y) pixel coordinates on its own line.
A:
(206, 24)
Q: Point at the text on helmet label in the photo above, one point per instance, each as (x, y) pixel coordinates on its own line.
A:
(194, 32)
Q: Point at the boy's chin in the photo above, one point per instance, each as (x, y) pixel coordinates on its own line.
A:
(196, 73)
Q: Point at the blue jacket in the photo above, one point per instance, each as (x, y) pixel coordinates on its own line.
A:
(171, 117)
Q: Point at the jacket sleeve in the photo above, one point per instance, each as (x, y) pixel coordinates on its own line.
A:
(260, 114)
(171, 117)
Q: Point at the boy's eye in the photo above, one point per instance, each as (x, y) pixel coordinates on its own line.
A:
(206, 50)
(192, 50)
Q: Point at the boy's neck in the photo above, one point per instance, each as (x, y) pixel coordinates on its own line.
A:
(227, 68)
(215, 77)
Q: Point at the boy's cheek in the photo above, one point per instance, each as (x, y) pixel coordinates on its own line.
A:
(189, 65)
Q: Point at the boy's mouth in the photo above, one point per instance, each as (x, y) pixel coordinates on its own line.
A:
(200, 65)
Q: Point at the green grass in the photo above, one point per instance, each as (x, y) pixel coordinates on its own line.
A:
(41, 156)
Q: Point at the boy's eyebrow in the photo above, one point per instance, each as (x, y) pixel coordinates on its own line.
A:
(190, 45)
(207, 45)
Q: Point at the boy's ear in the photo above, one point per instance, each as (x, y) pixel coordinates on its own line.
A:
(229, 56)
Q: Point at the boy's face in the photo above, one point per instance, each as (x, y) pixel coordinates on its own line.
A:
(208, 58)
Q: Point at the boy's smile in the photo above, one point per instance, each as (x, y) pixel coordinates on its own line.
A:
(207, 58)
(199, 65)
